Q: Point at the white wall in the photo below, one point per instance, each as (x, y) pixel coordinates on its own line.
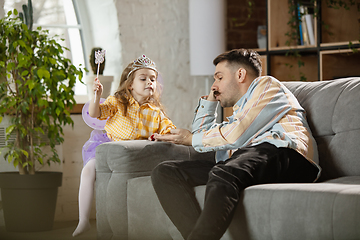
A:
(2, 14)
(160, 29)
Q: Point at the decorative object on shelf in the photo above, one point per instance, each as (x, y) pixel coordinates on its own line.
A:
(35, 98)
(301, 22)
(97, 61)
(95, 67)
(261, 36)
(27, 16)
(309, 23)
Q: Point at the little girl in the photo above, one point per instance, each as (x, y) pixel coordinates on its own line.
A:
(134, 112)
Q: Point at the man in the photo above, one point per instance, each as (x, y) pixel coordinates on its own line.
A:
(267, 134)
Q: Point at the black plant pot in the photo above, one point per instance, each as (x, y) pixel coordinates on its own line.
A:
(29, 201)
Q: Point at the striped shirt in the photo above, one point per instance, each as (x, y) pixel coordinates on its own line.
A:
(140, 122)
(268, 112)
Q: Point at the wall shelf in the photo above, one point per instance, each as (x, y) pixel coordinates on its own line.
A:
(329, 58)
(333, 48)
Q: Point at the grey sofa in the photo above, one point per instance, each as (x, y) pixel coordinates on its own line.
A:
(127, 206)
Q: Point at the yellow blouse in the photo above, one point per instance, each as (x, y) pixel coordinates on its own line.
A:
(140, 122)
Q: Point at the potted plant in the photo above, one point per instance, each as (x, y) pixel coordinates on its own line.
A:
(106, 81)
(35, 99)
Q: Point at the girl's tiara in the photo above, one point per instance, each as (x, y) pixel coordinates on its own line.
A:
(142, 62)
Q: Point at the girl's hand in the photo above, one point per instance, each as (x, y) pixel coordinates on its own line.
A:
(152, 138)
(94, 108)
(98, 88)
(177, 136)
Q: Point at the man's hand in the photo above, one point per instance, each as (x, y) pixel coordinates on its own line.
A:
(178, 136)
(211, 96)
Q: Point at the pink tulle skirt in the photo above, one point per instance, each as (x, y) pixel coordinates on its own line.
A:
(97, 137)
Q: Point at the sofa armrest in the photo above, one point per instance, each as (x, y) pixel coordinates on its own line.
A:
(116, 163)
(137, 156)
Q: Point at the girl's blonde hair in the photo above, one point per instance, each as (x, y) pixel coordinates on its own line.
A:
(123, 93)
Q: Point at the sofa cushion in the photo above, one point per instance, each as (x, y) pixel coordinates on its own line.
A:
(328, 210)
(318, 211)
(131, 156)
(333, 113)
(146, 217)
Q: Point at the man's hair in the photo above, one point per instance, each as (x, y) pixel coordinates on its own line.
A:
(247, 58)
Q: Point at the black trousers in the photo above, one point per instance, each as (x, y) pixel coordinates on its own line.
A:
(174, 183)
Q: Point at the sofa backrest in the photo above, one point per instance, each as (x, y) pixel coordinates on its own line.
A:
(333, 113)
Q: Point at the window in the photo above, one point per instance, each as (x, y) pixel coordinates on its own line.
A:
(59, 17)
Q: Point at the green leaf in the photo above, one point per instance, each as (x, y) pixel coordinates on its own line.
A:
(10, 66)
(24, 152)
(300, 63)
(61, 104)
(9, 129)
(52, 61)
(43, 73)
(40, 73)
(47, 74)
(42, 102)
(66, 112)
(16, 163)
(15, 44)
(10, 158)
(21, 43)
(31, 84)
(38, 129)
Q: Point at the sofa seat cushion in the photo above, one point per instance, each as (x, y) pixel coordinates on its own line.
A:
(328, 210)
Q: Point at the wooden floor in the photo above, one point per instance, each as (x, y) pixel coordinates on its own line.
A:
(61, 231)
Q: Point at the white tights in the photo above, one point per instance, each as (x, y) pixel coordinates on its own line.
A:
(86, 194)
